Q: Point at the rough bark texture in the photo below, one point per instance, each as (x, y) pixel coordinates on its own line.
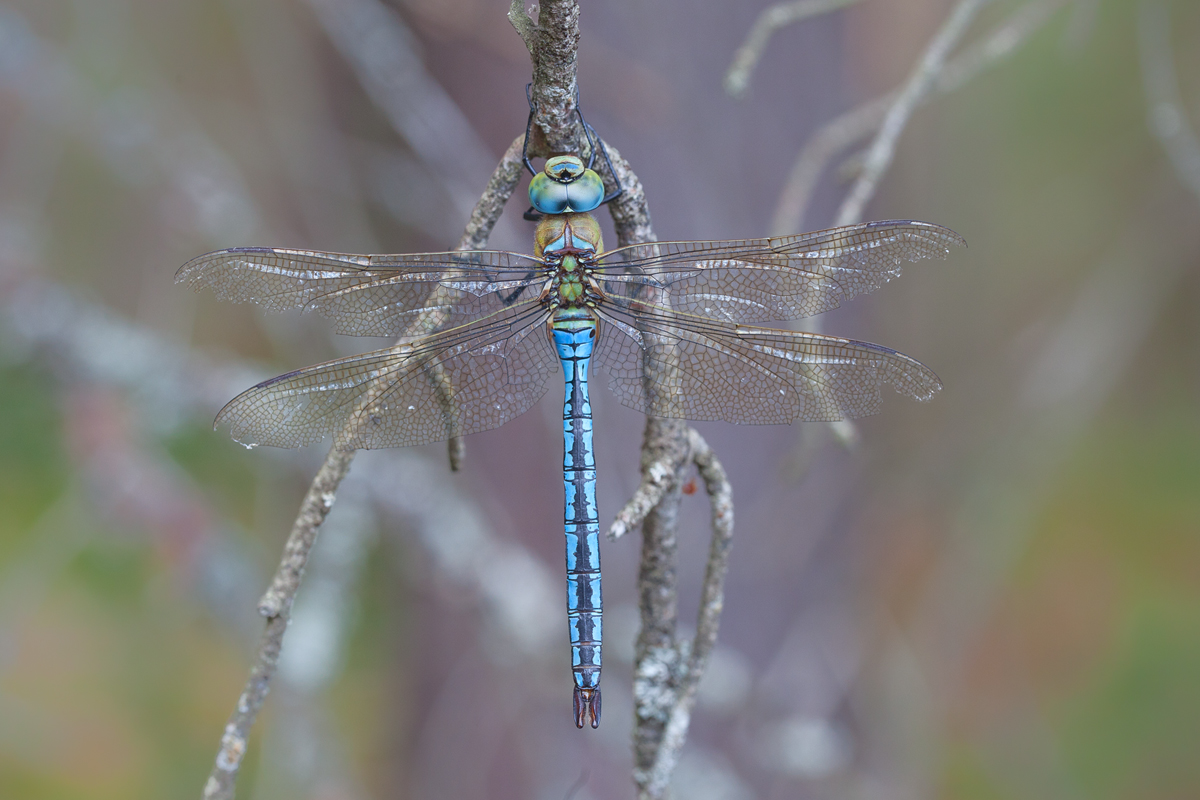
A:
(277, 601)
(276, 606)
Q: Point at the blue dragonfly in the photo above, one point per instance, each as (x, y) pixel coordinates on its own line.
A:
(479, 334)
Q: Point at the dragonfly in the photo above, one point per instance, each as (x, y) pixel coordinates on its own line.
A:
(480, 332)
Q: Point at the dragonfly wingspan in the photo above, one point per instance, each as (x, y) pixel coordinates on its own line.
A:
(679, 365)
(467, 379)
(369, 295)
(781, 278)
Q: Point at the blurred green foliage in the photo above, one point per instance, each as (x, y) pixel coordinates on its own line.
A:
(33, 466)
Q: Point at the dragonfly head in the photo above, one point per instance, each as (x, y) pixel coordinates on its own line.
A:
(564, 186)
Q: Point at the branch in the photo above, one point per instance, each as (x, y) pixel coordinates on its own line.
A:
(1164, 105)
(662, 694)
(666, 450)
(879, 156)
(276, 606)
(769, 21)
(555, 61)
(384, 55)
(276, 603)
(490, 206)
(656, 480)
(827, 142)
(860, 122)
(712, 602)
(663, 691)
(526, 28)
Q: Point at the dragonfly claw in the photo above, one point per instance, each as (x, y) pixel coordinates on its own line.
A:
(587, 706)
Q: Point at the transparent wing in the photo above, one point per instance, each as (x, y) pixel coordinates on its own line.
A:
(459, 381)
(381, 295)
(781, 278)
(671, 364)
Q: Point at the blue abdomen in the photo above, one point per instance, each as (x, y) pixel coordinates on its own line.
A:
(574, 332)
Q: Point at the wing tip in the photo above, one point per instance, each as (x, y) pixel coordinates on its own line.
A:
(193, 272)
(943, 234)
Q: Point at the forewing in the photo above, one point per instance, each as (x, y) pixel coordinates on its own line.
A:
(459, 381)
(781, 278)
(671, 364)
(370, 295)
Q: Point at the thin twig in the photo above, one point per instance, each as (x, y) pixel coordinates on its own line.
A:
(712, 602)
(321, 495)
(276, 606)
(879, 156)
(524, 25)
(665, 455)
(831, 139)
(1164, 105)
(1005, 40)
(770, 20)
(490, 206)
(384, 55)
(861, 121)
(656, 480)
(276, 603)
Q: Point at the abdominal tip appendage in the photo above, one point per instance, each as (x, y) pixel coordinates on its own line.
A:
(587, 706)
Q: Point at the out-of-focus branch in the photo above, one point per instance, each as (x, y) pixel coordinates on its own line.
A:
(1092, 340)
(168, 383)
(858, 123)
(1165, 110)
(832, 138)
(384, 55)
(770, 20)
(879, 155)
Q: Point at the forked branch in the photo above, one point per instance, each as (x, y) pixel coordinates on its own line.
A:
(843, 132)
(770, 20)
(883, 149)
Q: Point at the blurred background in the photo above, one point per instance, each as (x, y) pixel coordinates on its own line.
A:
(994, 595)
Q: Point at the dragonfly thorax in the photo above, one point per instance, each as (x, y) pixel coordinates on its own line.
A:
(567, 233)
(568, 244)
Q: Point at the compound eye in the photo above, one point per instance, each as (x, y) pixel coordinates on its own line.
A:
(564, 169)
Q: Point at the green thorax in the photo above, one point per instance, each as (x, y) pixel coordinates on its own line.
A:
(569, 243)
